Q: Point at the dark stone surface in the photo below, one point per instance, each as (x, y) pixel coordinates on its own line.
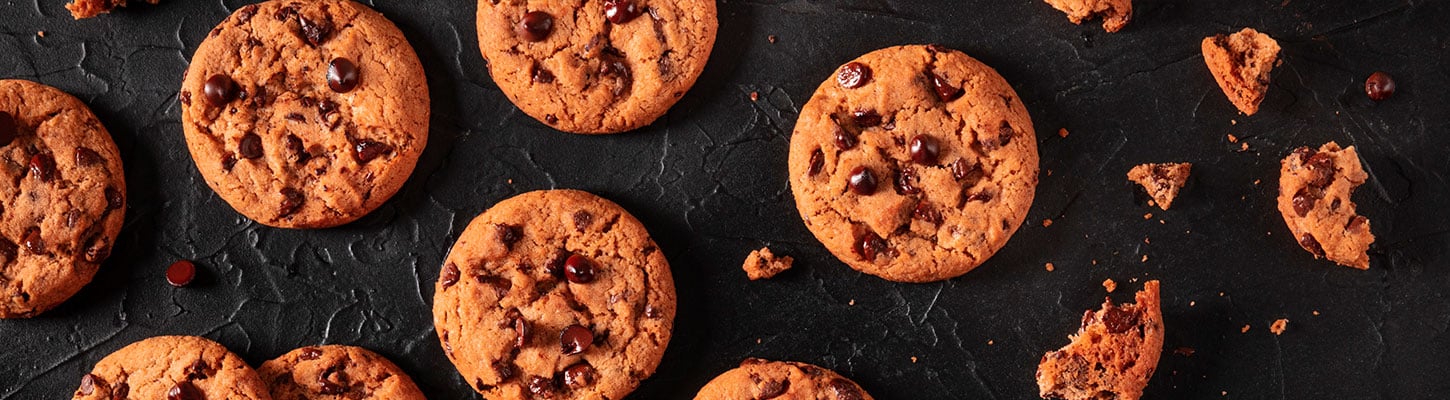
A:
(708, 180)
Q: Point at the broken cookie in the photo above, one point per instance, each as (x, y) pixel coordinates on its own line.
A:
(1113, 354)
(762, 264)
(1314, 198)
(1241, 64)
(1162, 181)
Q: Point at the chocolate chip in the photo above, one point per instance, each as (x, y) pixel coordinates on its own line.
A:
(114, 199)
(582, 219)
(579, 376)
(42, 167)
(962, 170)
(818, 161)
(579, 269)
(535, 26)
(555, 266)
(924, 150)
(944, 89)
(8, 130)
(296, 149)
(844, 140)
(522, 328)
(541, 387)
(449, 276)
(250, 147)
(219, 90)
(97, 250)
(862, 181)
(619, 72)
(32, 241)
(980, 196)
(245, 14)
(88, 385)
(870, 245)
(198, 370)
(326, 110)
(853, 75)
(295, 117)
(183, 390)
(651, 312)
(541, 75)
(310, 353)
(342, 75)
(1308, 242)
(500, 285)
(925, 212)
(120, 391)
(1119, 320)
(575, 339)
(773, 389)
(1004, 135)
(845, 390)
(551, 119)
(291, 201)
(87, 157)
(181, 273)
(509, 234)
(229, 161)
(314, 32)
(1304, 199)
(1379, 87)
(905, 181)
(866, 118)
(620, 11)
(332, 381)
(1321, 169)
(366, 150)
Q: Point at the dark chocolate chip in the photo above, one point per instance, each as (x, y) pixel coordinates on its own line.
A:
(980, 196)
(579, 376)
(183, 390)
(314, 32)
(1379, 87)
(88, 385)
(291, 201)
(219, 90)
(944, 89)
(536, 26)
(845, 390)
(8, 130)
(114, 199)
(332, 381)
(42, 167)
(651, 312)
(245, 13)
(326, 110)
(504, 369)
(541, 387)
(866, 118)
(773, 389)
(1303, 200)
(297, 149)
(925, 212)
(1321, 169)
(522, 328)
(870, 245)
(342, 75)
(250, 147)
(32, 241)
(551, 119)
(367, 150)
(310, 353)
(449, 276)
(582, 219)
(853, 75)
(181, 273)
(500, 285)
(120, 391)
(1308, 242)
(229, 161)
(575, 339)
(198, 370)
(905, 181)
(87, 157)
(97, 250)
(555, 266)
(1004, 135)
(619, 72)
(541, 75)
(862, 181)
(509, 234)
(620, 11)
(924, 150)
(844, 140)
(1119, 320)
(818, 161)
(185, 97)
(579, 269)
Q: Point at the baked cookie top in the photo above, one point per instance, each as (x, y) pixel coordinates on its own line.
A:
(337, 372)
(780, 380)
(62, 197)
(1115, 351)
(914, 163)
(172, 367)
(555, 294)
(1314, 198)
(305, 114)
(596, 67)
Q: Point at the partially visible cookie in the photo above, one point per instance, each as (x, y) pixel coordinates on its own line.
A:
(914, 163)
(337, 372)
(62, 197)
(555, 294)
(783, 380)
(81, 9)
(1113, 354)
(1241, 64)
(1314, 198)
(596, 67)
(172, 367)
(763, 264)
(1115, 13)
(1161, 181)
(305, 114)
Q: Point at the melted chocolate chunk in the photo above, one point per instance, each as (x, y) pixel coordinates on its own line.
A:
(853, 75)
(449, 276)
(332, 381)
(342, 75)
(1119, 320)
(535, 26)
(32, 241)
(844, 140)
(944, 89)
(905, 181)
(42, 167)
(575, 339)
(866, 118)
(183, 390)
(1308, 242)
(219, 90)
(541, 387)
(509, 234)
(87, 157)
(314, 32)
(862, 181)
(366, 150)
(250, 148)
(620, 11)
(870, 245)
(310, 353)
(773, 389)
(818, 161)
(845, 390)
(579, 376)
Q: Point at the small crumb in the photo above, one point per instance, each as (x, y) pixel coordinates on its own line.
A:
(1145, 258)
(757, 340)
(1095, 262)
(511, 181)
(913, 359)
(1279, 325)
(1062, 132)
(40, 33)
(1184, 351)
(1192, 303)
(762, 264)
(1049, 172)
(1316, 312)
(1146, 240)
(1232, 138)
(1162, 222)
(852, 303)
(1233, 122)
(1135, 280)
(1256, 182)
(1244, 146)
(1148, 216)
(1110, 285)
(1049, 267)
(771, 38)
(754, 96)
(1225, 393)
(1245, 329)
(1220, 294)
(1046, 222)
(989, 342)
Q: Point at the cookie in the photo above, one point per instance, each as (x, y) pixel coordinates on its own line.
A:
(172, 367)
(337, 372)
(1115, 13)
(914, 163)
(1241, 64)
(62, 197)
(1112, 355)
(1161, 181)
(596, 67)
(1314, 198)
(82, 9)
(305, 114)
(554, 294)
(781, 380)
(763, 264)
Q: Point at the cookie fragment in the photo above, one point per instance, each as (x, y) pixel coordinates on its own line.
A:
(762, 264)
(1314, 199)
(1279, 326)
(1241, 64)
(82, 9)
(763, 379)
(1162, 181)
(1115, 13)
(1113, 354)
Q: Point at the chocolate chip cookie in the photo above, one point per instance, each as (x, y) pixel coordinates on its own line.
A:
(62, 197)
(81, 9)
(337, 372)
(1241, 64)
(1115, 13)
(172, 367)
(305, 114)
(555, 294)
(1113, 354)
(914, 163)
(1314, 198)
(596, 67)
(784, 380)
(1161, 181)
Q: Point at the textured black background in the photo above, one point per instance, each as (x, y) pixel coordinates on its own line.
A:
(709, 181)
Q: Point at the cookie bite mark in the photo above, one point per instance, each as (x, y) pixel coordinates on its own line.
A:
(1314, 198)
(1114, 352)
(1241, 64)
(1115, 13)
(1161, 181)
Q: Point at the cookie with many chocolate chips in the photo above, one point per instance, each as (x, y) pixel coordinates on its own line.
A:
(1113, 354)
(1314, 198)
(337, 372)
(596, 67)
(305, 114)
(174, 368)
(62, 197)
(914, 163)
(555, 294)
(782, 380)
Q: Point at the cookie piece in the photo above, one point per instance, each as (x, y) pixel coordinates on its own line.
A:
(1241, 64)
(1314, 198)
(62, 197)
(596, 67)
(784, 380)
(337, 372)
(1162, 181)
(762, 264)
(555, 294)
(172, 367)
(305, 114)
(82, 9)
(1115, 13)
(1112, 355)
(914, 163)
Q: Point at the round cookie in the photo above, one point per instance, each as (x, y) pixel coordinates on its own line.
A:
(172, 367)
(555, 294)
(914, 163)
(62, 197)
(781, 380)
(337, 372)
(596, 67)
(305, 114)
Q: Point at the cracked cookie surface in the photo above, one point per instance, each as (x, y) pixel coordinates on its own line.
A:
(62, 197)
(1314, 198)
(596, 67)
(782, 380)
(554, 294)
(336, 372)
(914, 163)
(305, 114)
(172, 367)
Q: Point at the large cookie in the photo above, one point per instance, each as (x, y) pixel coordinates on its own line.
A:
(172, 367)
(337, 372)
(1314, 199)
(596, 66)
(62, 197)
(780, 380)
(914, 163)
(555, 294)
(305, 114)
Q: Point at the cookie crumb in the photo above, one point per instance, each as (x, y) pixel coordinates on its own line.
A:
(1110, 285)
(1145, 258)
(990, 342)
(1062, 132)
(754, 96)
(40, 33)
(1232, 138)
(1192, 303)
(1046, 222)
(1245, 329)
(762, 264)
(852, 303)
(913, 359)
(1243, 147)
(1316, 312)
(1184, 351)
(1049, 267)
(1279, 325)
(1148, 216)
(771, 38)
